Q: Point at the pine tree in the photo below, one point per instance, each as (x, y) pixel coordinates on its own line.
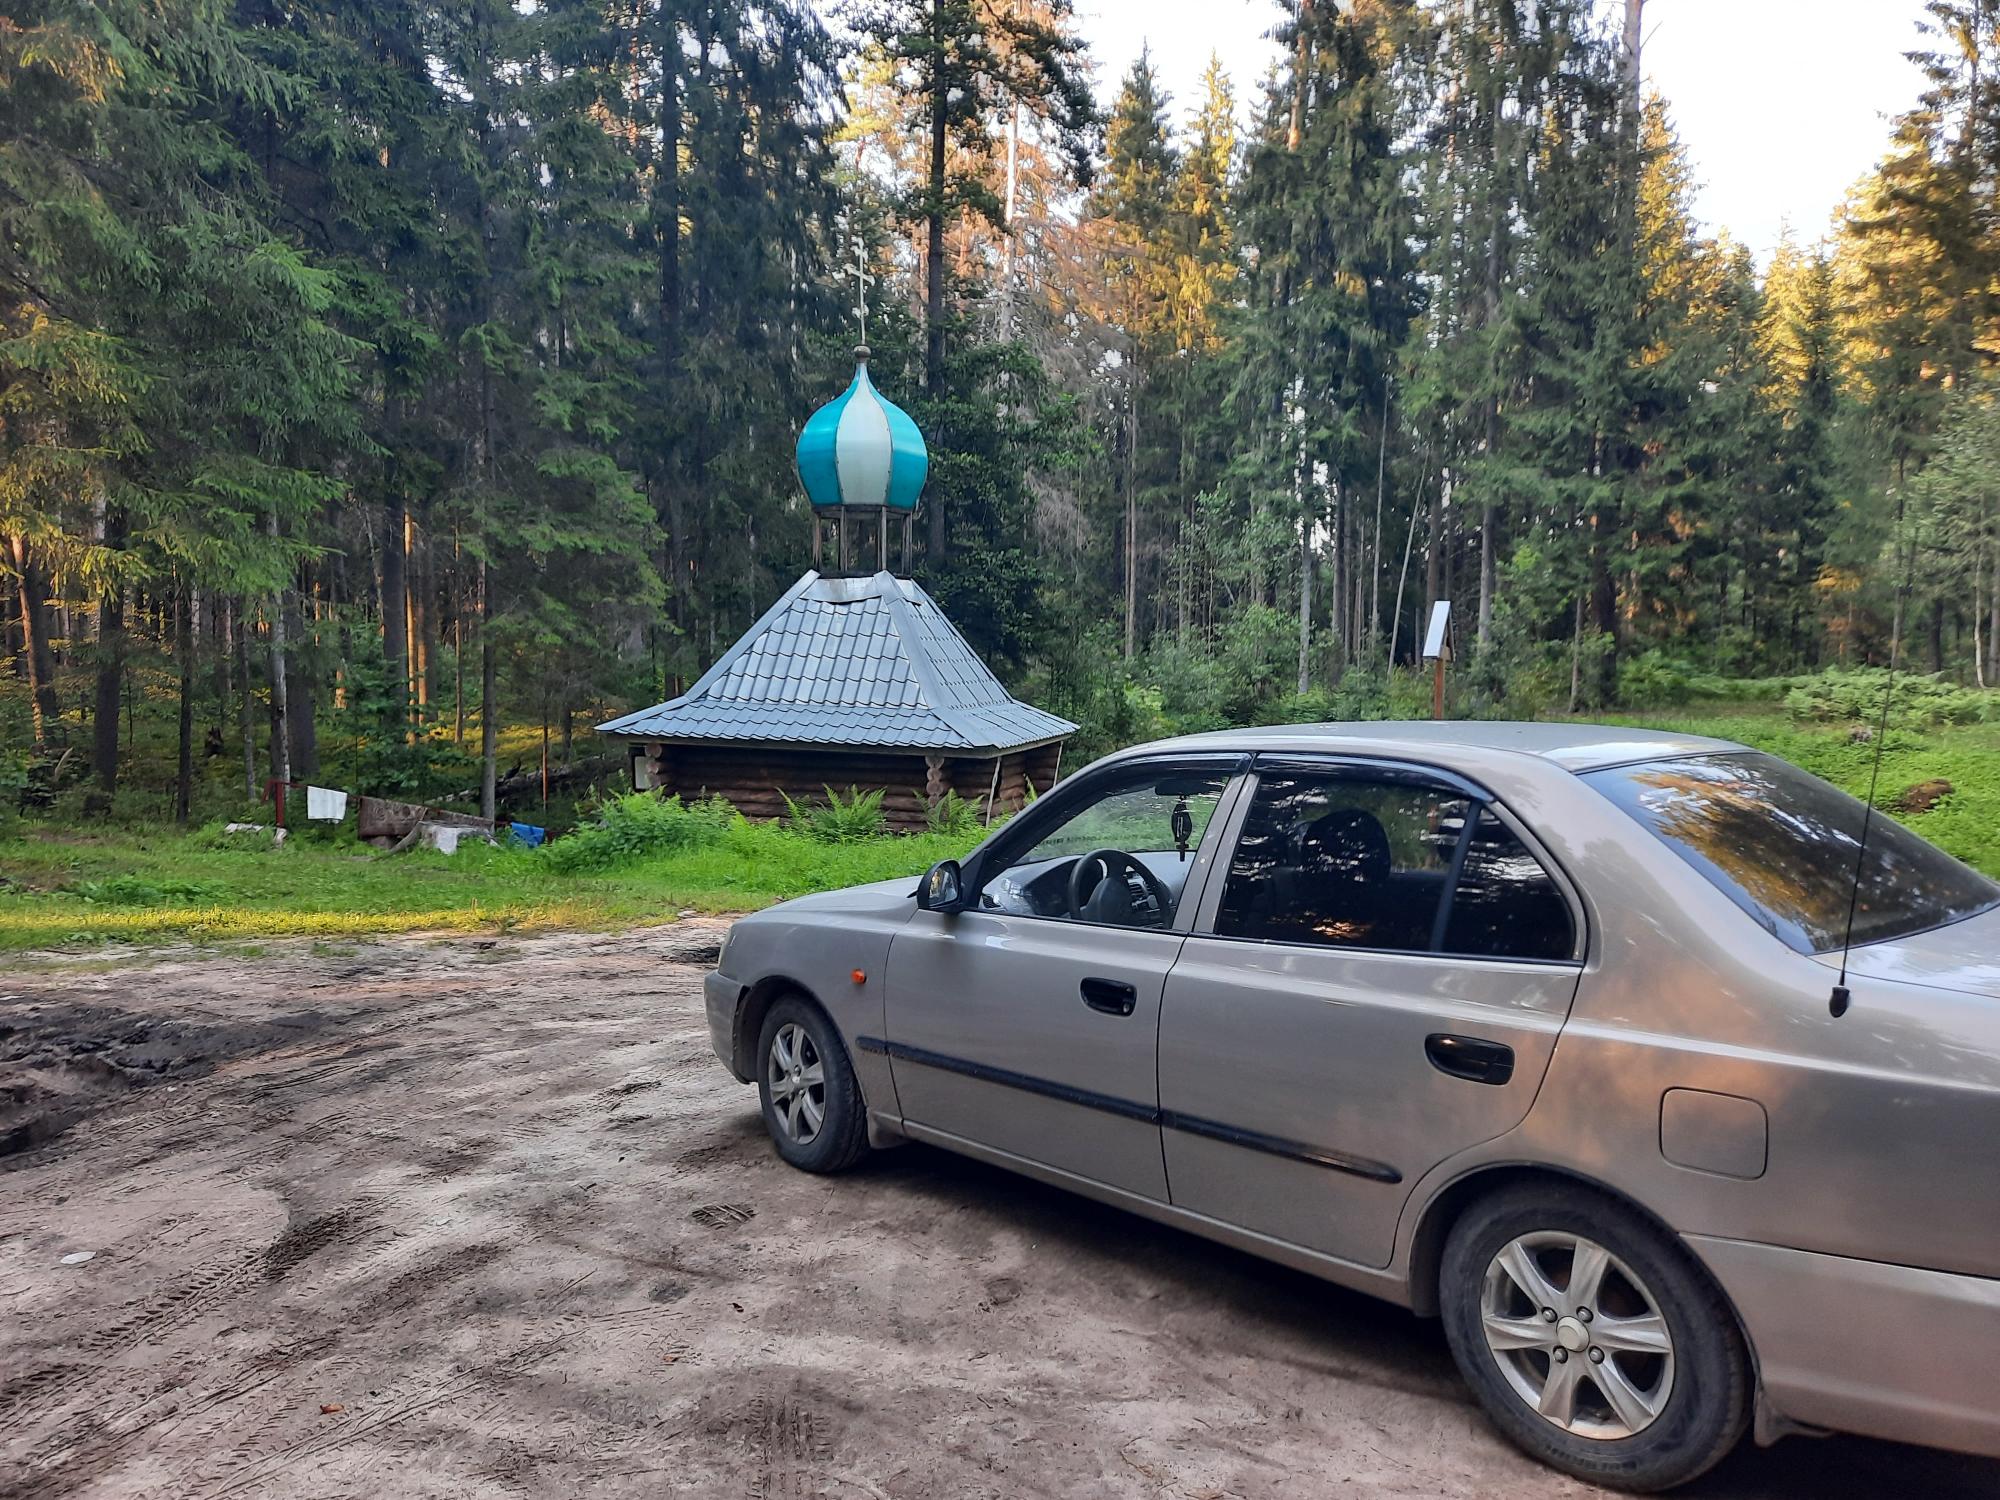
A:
(960, 65)
(1134, 211)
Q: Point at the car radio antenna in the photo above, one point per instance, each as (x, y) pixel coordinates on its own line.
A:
(1838, 1002)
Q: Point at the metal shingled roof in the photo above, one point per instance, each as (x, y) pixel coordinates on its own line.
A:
(849, 661)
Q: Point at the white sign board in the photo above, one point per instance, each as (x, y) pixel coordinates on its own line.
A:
(1434, 645)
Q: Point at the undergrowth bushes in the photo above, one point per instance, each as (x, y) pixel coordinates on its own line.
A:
(1856, 694)
(637, 826)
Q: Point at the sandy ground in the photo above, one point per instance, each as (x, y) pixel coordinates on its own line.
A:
(486, 1219)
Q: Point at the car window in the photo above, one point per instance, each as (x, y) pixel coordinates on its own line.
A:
(1143, 827)
(1784, 846)
(1342, 862)
(1504, 904)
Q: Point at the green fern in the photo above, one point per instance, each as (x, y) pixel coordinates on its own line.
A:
(839, 822)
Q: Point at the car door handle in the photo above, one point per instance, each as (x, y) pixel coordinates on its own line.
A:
(1470, 1057)
(1112, 996)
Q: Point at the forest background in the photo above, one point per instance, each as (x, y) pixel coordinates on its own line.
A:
(389, 387)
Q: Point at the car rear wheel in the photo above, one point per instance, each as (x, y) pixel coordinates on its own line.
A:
(1591, 1338)
(811, 1102)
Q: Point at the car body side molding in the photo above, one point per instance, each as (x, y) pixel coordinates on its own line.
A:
(1337, 1161)
(1254, 1140)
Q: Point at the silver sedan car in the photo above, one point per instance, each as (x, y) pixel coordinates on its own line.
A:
(1541, 1029)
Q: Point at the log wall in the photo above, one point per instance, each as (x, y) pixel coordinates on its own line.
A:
(1020, 771)
(755, 779)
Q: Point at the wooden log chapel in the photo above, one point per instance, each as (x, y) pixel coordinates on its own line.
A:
(849, 680)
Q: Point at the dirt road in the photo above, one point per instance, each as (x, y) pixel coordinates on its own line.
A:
(486, 1219)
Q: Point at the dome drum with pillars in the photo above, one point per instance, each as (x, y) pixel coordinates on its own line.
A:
(856, 679)
(861, 459)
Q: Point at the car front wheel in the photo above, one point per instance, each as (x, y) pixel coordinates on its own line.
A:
(1591, 1338)
(811, 1101)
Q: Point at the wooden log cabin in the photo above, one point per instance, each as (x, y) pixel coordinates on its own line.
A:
(848, 682)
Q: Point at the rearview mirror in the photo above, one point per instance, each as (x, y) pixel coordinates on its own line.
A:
(943, 887)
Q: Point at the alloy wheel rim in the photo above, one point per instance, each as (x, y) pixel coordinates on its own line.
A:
(796, 1078)
(1577, 1335)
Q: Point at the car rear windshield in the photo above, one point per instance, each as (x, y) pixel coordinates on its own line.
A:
(1782, 845)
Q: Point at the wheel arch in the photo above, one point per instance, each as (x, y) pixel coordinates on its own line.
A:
(756, 1003)
(1446, 1206)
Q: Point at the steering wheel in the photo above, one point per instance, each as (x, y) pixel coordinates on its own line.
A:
(1114, 862)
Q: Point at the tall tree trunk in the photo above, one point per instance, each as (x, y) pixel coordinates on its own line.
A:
(1604, 608)
(934, 259)
(184, 636)
(458, 671)
(1132, 523)
(1403, 576)
(1993, 635)
(1010, 206)
(34, 591)
(669, 475)
(667, 219)
(1634, 35)
(1434, 551)
(1576, 655)
(110, 663)
(425, 639)
(412, 593)
(489, 699)
(1375, 566)
(1978, 623)
(1496, 233)
(281, 739)
(395, 590)
(1346, 611)
(1488, 573)
(246, 715)
(219, 632)
(1305, 602)
(301, 729)
(1903, 572)
(10, 623)
(1301, 54)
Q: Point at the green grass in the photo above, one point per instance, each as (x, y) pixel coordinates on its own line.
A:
(61, 885)
(65, 888)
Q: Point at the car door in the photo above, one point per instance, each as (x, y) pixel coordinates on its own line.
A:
(1375, 982)
(1027, 1027)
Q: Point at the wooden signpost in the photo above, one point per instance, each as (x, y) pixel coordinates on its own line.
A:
(1437, 650)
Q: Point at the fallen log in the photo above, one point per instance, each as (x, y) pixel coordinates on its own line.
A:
(380, 818)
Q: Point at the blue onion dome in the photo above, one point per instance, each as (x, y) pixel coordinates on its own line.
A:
(862, 449)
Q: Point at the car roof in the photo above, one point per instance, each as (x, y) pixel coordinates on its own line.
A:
(1574, 747)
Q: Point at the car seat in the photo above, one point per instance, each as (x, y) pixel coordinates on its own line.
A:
(1337, 878)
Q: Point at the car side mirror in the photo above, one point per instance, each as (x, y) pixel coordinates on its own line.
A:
(943, 889)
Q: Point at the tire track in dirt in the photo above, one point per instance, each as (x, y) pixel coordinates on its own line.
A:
(793, 1452)
(239, 1470)
(101, 1443)
(81, 1389)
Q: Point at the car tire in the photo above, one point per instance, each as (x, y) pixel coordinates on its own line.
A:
(802, 1072)
(1672, 1411)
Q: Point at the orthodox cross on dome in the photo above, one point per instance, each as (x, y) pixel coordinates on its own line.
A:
(862, 281)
